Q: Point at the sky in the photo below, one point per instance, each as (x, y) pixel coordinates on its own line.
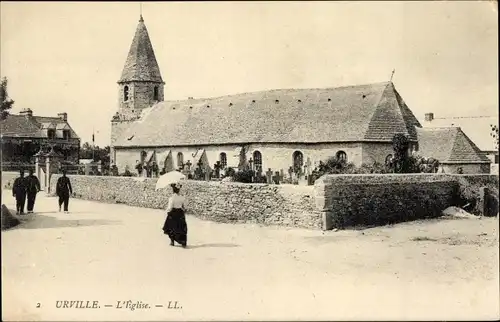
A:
(67, 57)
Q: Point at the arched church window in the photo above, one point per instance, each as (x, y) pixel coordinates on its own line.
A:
(388, 159)
(155, 93)
(125, 93)
(223, 160)
(257, 161)
(342, 156)
(180, 159)
(298, 161)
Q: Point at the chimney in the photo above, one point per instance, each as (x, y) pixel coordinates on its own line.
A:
(27, 112)
(429, 117)
(63, 116)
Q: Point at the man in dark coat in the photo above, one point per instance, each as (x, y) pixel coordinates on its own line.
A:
(32, 188)
(19, 192)
(63, 191)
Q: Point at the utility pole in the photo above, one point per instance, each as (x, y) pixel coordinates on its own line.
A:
(93, 144)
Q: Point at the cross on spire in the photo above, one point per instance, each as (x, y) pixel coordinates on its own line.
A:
(392, 74)
(140, 12)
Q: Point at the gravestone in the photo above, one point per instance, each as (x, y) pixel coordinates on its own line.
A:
(276, 177)
(269, 175)
(217, 168)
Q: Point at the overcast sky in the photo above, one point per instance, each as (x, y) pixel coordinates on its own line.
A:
(68, 56)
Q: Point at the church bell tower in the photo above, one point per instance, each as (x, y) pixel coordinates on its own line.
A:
(140, 85)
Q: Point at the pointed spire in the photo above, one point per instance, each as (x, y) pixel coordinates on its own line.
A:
(141, 64)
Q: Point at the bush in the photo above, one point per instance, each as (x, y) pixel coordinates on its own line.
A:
(244, 176)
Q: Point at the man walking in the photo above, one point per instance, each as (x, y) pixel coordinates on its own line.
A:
(19, 192)
(63, 191)
(32, 188)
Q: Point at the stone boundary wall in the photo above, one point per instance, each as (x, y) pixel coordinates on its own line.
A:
(283, 205)
(352, 200)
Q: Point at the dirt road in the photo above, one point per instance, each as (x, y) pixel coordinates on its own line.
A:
(439, 269)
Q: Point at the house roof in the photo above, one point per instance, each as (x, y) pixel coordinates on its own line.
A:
(478, 129)
(371, 112)
(141, 64)
(31, 126)
(448, 145)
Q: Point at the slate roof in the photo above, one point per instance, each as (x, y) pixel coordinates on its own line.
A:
(141, 64)
(448, 145)
(371, 112)
(30, 127)
(477, 129)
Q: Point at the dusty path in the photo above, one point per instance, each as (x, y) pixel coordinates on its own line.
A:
(441, 269)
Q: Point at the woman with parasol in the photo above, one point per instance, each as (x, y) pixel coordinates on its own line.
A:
(175, 224)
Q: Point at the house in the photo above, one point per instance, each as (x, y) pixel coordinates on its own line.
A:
(454, 150)
(26, 134)
(278, 130)
(478, 129)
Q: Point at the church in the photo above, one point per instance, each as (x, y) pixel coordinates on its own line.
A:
(276, 130)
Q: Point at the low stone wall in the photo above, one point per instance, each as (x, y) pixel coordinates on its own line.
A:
(351, 200)
(284, 205)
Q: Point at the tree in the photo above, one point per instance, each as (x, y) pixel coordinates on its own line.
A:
(400, 145)
(8, 220)
(494, 134)
(97, 153)
(6, 101)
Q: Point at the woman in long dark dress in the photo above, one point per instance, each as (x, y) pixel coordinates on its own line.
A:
(175, 225)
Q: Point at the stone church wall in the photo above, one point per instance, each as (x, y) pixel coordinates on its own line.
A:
(274, 156)
(376, 152)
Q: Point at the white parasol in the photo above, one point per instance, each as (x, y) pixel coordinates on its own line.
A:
(169, 178)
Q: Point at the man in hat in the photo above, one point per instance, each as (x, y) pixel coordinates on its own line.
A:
(19, 192)
(32, 188)
(63, 191)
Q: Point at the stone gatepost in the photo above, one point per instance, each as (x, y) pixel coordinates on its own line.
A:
(321, 200)
(483, 201)
(48, 161)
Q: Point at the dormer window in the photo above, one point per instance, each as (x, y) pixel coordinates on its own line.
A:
(66, 134)
(155, 93)
(51, 134)
(125, 93)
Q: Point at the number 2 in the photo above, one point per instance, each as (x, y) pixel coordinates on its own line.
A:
(37, 305)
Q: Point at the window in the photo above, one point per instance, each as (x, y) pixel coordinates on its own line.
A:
(388, 159)
(342, 156)
(223, 160)
(155, 93)
(125, 93)
(298, 161)
(66, 134)
(51, 134)
(257, 161)
(180, 160)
